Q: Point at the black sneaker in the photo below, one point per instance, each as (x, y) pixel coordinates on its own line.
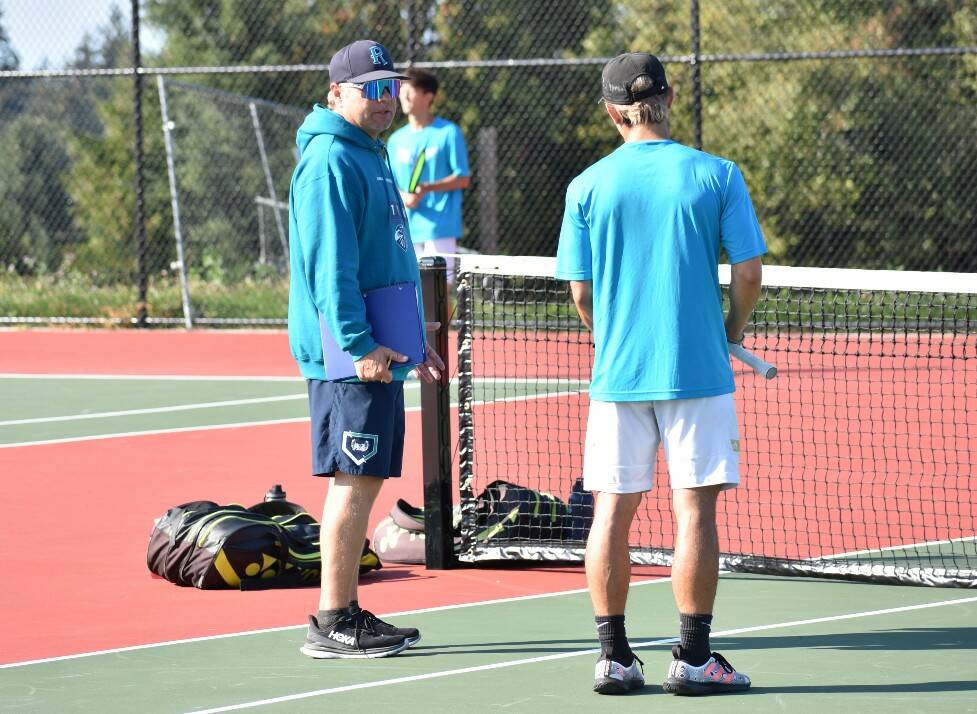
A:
(349, 638)
(412, 635)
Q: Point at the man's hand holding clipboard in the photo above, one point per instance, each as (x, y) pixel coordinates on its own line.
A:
(398, 332)
(375, 366)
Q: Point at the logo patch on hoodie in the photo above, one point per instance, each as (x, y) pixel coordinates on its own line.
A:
(400, 235)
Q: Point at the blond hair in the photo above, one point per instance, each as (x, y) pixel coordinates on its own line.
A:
(649, 110)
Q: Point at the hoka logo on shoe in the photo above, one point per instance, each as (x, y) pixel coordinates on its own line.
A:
(340, 637)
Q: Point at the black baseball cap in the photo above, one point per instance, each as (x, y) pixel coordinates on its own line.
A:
(619, 74)
(362, 61)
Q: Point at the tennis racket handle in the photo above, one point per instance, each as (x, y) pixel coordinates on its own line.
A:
(765, 369)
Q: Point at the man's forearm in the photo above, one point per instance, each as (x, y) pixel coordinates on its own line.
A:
(451, 183)
(583, 299)
(586, 313)
(744, 291)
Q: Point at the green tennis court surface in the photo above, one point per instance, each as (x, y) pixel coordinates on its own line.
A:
(44, 408)
(808, 645)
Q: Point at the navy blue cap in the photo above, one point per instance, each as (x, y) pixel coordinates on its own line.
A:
(362, 61)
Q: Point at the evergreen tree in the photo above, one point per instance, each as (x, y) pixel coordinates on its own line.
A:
(100, 180)
(8, 58)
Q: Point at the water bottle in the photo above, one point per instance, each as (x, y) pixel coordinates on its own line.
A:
(275, 493)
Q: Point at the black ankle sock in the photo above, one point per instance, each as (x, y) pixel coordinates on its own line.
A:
(613, 639)
(354, 606)
(694, 638)
(328, 618)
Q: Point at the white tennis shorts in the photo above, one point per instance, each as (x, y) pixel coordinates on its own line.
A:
(700, 436)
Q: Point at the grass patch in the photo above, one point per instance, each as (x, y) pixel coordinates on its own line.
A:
(74, 296)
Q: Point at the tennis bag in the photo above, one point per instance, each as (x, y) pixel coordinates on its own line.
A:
(274, 544)
(503, 510)
(509, 511)
(399, 538)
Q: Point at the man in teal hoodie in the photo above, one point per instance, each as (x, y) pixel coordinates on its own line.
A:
(348, 234)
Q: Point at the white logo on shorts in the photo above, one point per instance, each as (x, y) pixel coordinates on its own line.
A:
(360, 448)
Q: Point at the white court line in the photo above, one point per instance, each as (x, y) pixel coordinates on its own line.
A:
(151, 377)
(895, 547)
(567, 655)
(243, 424)
(208, 638)
(155, 432)
(440, 608)
(245, 378)
(155, 410)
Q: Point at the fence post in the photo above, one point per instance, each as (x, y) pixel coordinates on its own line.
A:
(262, 238)
(175, 203)
(269, 181)
(696, 76)
(436, 426)
(409, 53)
(140, 217)
(488, 180)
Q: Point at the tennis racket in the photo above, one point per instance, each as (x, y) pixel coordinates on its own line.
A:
(762, 368)
(415, 174)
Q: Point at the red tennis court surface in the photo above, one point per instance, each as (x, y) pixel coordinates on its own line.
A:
(149, 352)
(841, 454)
(74, 535)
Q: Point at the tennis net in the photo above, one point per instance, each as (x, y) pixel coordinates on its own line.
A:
(857, 461)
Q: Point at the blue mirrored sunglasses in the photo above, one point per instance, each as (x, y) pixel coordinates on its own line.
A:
(375, 89)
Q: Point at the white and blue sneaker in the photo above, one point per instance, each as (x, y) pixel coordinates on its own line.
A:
(715, 676)
(612, 677)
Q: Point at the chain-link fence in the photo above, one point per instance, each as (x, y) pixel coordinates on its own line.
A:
(853, 122)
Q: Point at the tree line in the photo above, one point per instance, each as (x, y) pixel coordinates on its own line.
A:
(865, 162)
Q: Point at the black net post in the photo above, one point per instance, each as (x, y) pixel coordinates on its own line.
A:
(140, 218)
(696, 75)
(435, 424)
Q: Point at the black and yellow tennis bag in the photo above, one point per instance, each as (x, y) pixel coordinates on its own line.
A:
(504, 511)
(274, 544)
(510, 511)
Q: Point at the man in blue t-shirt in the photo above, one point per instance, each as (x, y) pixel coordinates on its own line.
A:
(640, 244)
(430, 165)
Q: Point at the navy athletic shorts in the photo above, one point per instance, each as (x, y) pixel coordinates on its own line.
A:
(357, 428)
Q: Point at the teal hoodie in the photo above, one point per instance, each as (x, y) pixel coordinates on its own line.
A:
(347, 234)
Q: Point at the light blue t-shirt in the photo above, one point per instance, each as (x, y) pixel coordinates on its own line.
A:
(438, 215)
(645, 224)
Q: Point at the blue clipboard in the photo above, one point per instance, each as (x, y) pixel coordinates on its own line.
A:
(395, 322)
